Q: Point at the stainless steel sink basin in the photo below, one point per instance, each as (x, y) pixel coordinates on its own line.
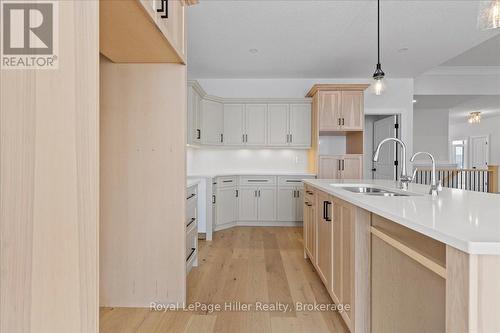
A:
(371, 190)
(364, 189)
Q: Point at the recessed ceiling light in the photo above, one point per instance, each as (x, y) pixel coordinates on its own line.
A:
(253, 51)
(414, 101)
(402, 50)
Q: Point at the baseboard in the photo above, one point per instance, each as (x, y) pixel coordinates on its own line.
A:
(258, 224)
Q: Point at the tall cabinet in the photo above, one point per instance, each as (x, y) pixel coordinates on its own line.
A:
(337, 130)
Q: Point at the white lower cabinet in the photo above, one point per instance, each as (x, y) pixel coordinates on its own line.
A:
(290, 204)
(267, 204)
(226, 205)
(254, 199)
(247, 204)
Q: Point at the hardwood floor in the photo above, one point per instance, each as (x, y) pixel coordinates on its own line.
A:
(246, 265)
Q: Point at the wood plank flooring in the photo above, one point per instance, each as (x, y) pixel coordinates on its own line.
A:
(246, 265)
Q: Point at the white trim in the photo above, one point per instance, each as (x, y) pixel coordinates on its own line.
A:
(463, 70)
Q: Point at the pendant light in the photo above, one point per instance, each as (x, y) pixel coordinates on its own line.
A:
(378, 76)
(489, 15)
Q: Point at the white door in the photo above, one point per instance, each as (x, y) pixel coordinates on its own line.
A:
(247, 204)
(286, 204)
(267, 204)
(300, 125)
(384, 168)
(299, 203)
(277, 122)
(226, 205)
(256, 124)
(479, 150)
(234, 124)
(212, 117)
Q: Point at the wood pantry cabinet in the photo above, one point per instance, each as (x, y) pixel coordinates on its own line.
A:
(309, 235)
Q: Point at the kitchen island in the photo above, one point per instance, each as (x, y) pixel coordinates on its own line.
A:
(406, 261)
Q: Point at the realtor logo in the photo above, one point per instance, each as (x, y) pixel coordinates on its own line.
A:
(29, 36)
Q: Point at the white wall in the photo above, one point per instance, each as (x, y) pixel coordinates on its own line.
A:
(208, 161)
(430, 133)
(487, 126)
(396, 100)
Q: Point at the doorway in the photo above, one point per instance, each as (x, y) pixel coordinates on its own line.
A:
(479, 152)
(377, 128)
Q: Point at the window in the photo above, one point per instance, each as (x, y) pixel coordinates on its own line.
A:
(458, 153)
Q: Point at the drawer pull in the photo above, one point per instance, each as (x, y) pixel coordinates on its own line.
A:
(191, 222)
(191, 253)
(293, 181)
(227, 181)
(191, 196)
(258, 180)
(310, 192)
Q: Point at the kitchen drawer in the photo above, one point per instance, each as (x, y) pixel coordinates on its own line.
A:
(257, 180)
(191, 210)
(191, 193)
(291, 180)
(226, 181)
(309, 195)
(191, 242)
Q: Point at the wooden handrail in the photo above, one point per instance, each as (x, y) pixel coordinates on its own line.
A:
(493, 184)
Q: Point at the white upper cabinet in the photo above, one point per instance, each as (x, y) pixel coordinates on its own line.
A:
(300, 125)
(247, 122)
(212, 122)
(234, 124)
(256, 124)
(277, 115)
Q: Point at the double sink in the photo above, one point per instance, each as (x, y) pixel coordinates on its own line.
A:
(371, 190)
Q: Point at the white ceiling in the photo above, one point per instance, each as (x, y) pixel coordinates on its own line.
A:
(485, 54)
(459, 106)
(324, 39)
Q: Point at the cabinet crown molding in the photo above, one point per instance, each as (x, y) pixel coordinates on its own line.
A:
(337, 87)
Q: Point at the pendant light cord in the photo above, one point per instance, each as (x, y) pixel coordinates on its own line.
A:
(378, 31)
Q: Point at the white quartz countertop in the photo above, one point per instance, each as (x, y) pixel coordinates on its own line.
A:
(468, 221)
(253, 173)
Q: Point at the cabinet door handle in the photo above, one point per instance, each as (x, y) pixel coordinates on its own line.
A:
(237, 193)
(325, 211)
(309, 192)
(338, 121)
(293, 193)
(255, 193)
(343, 122)
(222, 138)
(213, 199)
(192, 195)
(191, 221)
(342, 165)
(162, 8)
(259, 193)
(291, 138)
(338, 165)
(166, 9)
(198, 134)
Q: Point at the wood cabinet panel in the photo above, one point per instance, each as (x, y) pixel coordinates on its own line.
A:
(352, 167)
(329, 167)
(324, 239)
(310, 228)
(330, 105)
(352, 110)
